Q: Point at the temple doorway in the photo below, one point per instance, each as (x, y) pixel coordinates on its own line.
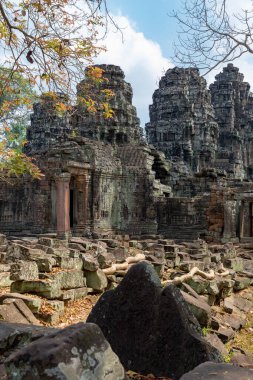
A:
(73, 214)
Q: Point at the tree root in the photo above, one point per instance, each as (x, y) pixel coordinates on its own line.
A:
(196, 271)
(122, 268)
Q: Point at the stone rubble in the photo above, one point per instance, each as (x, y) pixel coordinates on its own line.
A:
(59, 271)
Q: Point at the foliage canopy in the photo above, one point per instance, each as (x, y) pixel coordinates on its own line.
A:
(46, 44)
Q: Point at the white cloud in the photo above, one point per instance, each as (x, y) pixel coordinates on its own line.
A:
(143, 62)
(140, 58)
(235, 6)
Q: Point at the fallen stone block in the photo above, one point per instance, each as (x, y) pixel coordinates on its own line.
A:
(148, 326)
(68, 279)
(242, 360)
(218, 371)
(56, 305)
(24, 270)
(225, 286)
(212, 288)
(73, 294)
(106, 259)
(215, 341)
(18, 252)
(43, 248)
(44, 288)
(52, 242)
(236, 264)
(77, 246)
(110, 243)
(86, 244)
(46, 264)
(5, 267)
(10, 313)
(120, 254)
(188, 265)
(5, 279)
(74, 253)
(199, 308)
(76, 352)
(225, 333)
(70, 263)
(90, 262)
(199, 284)
(231, 320)
(23, 308)
(135, 244)
(241, 283)
(236, 301)
(171, 248)
(52, 319)
(34, 304)
(58, 252)
(15, 311)
(96, 280)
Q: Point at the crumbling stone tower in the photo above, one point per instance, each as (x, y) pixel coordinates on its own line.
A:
(233, 106)
(48, 126)
(124, 126)
(182, 122)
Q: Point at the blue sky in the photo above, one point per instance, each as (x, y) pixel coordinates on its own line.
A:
(150, 17)
(147, 47)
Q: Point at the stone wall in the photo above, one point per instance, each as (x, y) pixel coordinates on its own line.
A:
(100, 176)
(24, 206)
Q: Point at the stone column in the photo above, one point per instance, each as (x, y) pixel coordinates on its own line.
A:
(82, 201)
(229, 220)
(62, 205)
(242, 217)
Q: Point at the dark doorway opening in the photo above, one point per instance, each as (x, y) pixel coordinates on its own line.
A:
(71, 208)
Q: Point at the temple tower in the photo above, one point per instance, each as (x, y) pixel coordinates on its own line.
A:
(182, 123)
(124, 126)
(49, 125)
(233, 106)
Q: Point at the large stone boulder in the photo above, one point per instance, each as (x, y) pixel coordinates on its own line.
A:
(13, 336)
(151, 329)
(76, 352)
(218, 371)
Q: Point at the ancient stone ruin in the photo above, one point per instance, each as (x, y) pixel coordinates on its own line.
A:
(193, 179)
(175, 305)
(162, 226)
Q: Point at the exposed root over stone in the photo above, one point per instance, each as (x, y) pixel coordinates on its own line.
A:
(122, 268)
(195, 271)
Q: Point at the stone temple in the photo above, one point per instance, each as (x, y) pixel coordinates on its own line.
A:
(190, 178)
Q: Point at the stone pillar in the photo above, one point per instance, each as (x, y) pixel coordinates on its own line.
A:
(242, 219)
(82, 201)
(53, 205)
(62, 205)
(230, 220)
